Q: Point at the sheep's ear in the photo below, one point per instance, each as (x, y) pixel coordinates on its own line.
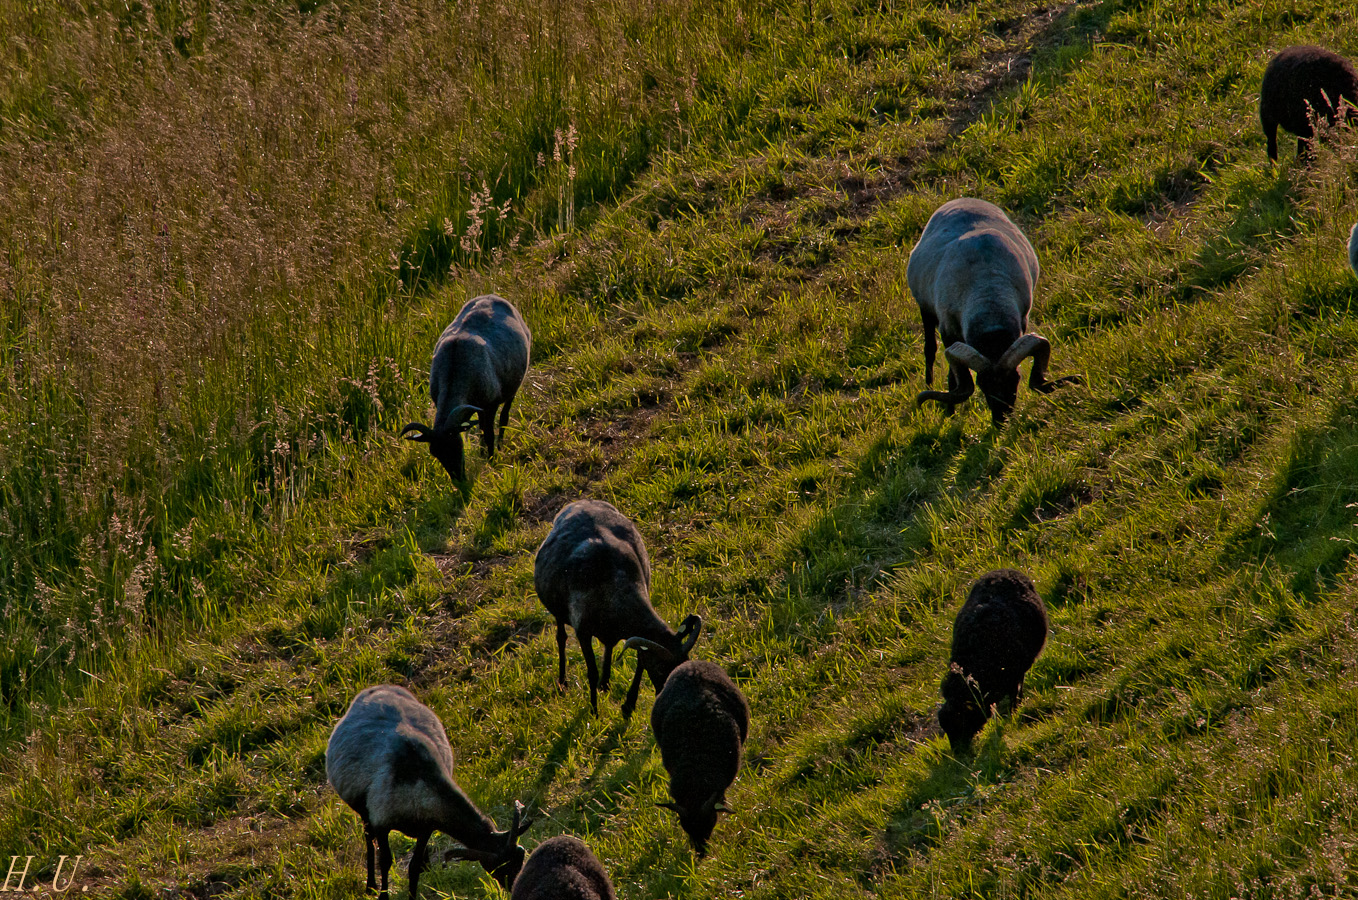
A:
(723, 808)
(716, 803)
(519, 827)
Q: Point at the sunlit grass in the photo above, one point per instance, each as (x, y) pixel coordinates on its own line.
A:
(727, 351)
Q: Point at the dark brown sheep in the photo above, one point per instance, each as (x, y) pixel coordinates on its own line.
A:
(1303, 84)
(563, 868)
(997, 635)
(701, 721)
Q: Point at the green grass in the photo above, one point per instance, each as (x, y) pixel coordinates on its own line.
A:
(726, 349)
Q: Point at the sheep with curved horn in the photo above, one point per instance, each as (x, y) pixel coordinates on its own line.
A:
(389, 759)
(592, 572)
(972, 274)
(479, 362)
(1353, 249)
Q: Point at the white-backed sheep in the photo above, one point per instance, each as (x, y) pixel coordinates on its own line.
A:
(389, 759)
(1353, 249)
(479, 363)
(563, 868)
(592, 572)
(997, 635)
(1301, 85)
(701, 721)
(972, 274)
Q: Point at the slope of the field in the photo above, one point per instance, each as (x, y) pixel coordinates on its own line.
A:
(725, 348)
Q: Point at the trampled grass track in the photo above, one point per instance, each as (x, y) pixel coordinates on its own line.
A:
(730, 355)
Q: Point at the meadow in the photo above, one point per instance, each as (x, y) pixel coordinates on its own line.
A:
(232, 232)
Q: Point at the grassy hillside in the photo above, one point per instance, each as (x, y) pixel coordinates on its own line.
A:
(235, 232)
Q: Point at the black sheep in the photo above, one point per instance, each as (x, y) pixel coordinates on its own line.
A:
(592, 572)
(997, 635)
(1302, 84)
(563, 868)
(1353, 249)
(479, 363)
(700, 721)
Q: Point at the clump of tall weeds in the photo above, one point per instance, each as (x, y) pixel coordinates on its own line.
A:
(214, 226)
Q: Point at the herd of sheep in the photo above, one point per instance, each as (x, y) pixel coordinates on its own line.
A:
(972, 273)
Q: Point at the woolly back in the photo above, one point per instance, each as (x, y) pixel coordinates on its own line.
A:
(563, 868)
(1003, 624)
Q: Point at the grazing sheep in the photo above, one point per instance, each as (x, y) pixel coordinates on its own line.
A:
(563, 868)
(700, 720)
(479, 363)
(1353, 249)
(592, 571)
(972, 274)
(998, 633)
(389, 759)
(1301, 85)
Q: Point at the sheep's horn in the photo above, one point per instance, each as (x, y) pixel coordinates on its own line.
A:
(960, 354)
(691, 628)
(641, 643)
(1030, 344)
(964, 358)
(424, 435)
(461, 417)
(517, 829)
(717, 803)
(671, 806)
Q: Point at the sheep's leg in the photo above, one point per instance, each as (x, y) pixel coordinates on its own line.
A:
(630, 703)
(368, 840)
(1271, 132)
(1303, 149)
(930, 346)
(504, 415)
(561, 655)
(591, 668)
(487, 418)
(384, 860)
(608, 668)
(417, 860)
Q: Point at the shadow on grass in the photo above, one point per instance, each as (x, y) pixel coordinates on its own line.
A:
(954, 784)
(556, 756)
(1307, 525)
(1262, 219)
(872, 530)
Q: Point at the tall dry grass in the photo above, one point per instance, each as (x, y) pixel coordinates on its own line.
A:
(215, 222)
